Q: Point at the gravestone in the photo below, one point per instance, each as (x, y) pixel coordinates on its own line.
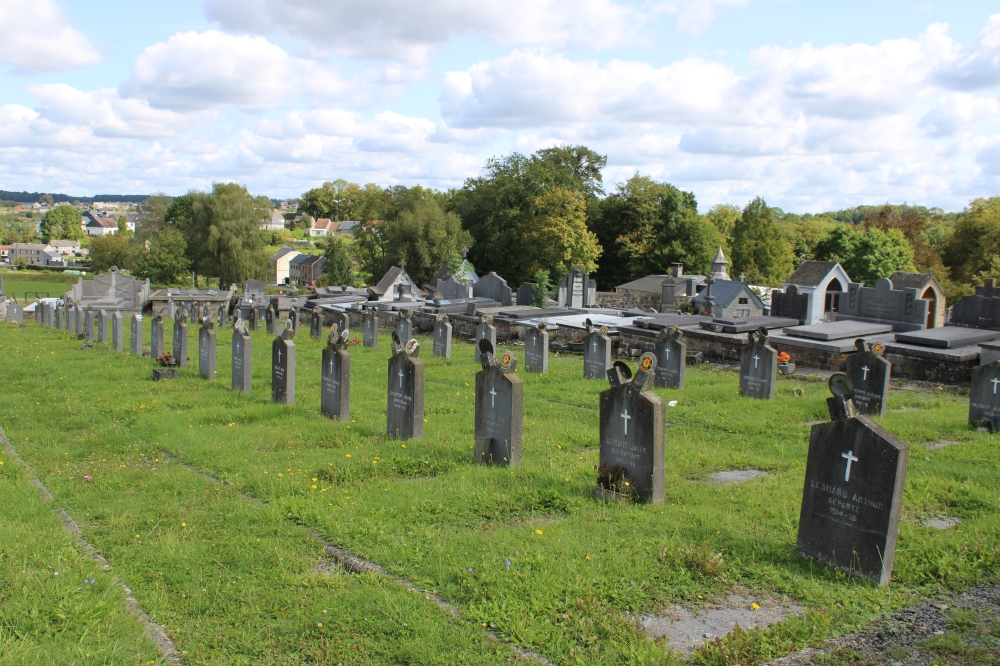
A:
(869, 373)
(70, 319)
(315, 325)
(59, 317)
(206, 349)
(171, 309)
(790, 304)
(453, 289)
(50, 315)
(758, 367)
(596, 352)
(89, 322)
(156, 342)
(261, 311)
(442, 337)
(180, 351)
(283, 367)
(80, 321)
(335, 397)
(137, 335)
(499, 409)
(525, 293)
(15, 313)
(117, 336)
(102, 326)
(884, 303)
(494, 287)
(371, 330)
(242, 358)
(671, 358)
(269, 319)
(342, 321)
(404, 325)
(405, 413)
(536, 349)
(223, 313)
(293, 317)
(485, 330)
(984, 397)
(632, 435)
(576, 286)
(853, 491)
(251, 318)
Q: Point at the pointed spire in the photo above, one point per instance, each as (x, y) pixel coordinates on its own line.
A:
(719, 266)
(719, 257)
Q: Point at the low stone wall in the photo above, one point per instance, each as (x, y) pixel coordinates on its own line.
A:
(931, 370)
(640, 299)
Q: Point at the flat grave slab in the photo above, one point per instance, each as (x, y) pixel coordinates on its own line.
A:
(957, 355)
(736, 476)
(948, 337)
(744, 325)
(842, 346)
(989, 352)
(837, 330)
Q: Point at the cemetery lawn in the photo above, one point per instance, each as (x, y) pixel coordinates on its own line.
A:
(234, 572)
(16, 283)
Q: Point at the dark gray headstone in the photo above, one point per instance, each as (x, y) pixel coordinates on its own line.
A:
(80, 321)
(525, 293)
(790, 304)
(485, 330)
(15, 313)
(283, 369)
(442, 338)
(50, 315)
(117, 335)
(494, 287)
(536, 349)
(180, 350)
(59, 317)
(853, 492)
(137, 335)
(632, 434)
(671, 358)
(342, 321)
(156, 338)
(269, 320)
(984, 396)
(499, 409)
(596, 352)
(315, 325)
(206, 349)
(251, 318)
(102, 326)
(242, 359)
(452, 289)
(869, 372)
(89, 323)
(70, 319)
(758, 367)
(293, 317)
(404, 325)
(223, 315)
(335, 396)
(171, 309)
(405, 413)
(371, 330)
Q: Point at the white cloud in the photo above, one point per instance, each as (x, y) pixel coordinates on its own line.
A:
(976, 68)
(37, 37)
(956, 113)
(693, 16)
(405, 30)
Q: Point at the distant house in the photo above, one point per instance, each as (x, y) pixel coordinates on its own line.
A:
(312, 268)
(66, 248)
(396, 285)
(928, 289)
(346, 228)
(730, 299)
(295, 268)
(275, 222)
(823, 282)
(95, 224)
(324, 226)
(279, 264)
(35, 254)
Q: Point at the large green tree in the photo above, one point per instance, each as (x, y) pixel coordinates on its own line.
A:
(111, 250)
(62, 223)
(557, 237)
(975, 242)
(758, 249)
(425, 236)
(165, 262)
(867, 254)
(236, 244)
(339, 267)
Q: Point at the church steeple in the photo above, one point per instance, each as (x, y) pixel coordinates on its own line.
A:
(719, 266)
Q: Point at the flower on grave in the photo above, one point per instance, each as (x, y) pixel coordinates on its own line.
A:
(784, 357)
(86, 478)
(507, 562)
(755, 606)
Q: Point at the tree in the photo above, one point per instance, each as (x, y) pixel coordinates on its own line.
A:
(867, 254)
(724, 217)
(339, 268)
(122, 225)
(236, 243)
(165, 261)
(425, 236)
(110, 250)
(758, 249)
(975, 241)
(62, 223)
(370, 247)
(915, 228)
(46, 199)
(543, 289)
(557, 235)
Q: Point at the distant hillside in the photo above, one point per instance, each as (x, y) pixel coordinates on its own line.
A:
(32, 197)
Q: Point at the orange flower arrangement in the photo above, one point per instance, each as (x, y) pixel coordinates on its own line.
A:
(784, 357)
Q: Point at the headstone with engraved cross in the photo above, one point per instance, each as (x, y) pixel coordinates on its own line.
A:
(596, 352)
(671, 357)
(283, 367)
(758, 367)
(117, 336)
(853, 491)
(206, 349)
(869, 372)
(536, 348)
(371, 330)
(984, 397)
(242, 358)
(335, 390)
(485, 330)
(180, 347)
(499, 409)
(315, 325)
(442, 337)
(405, 413)
(632, 435)
(137, 335)
(156, 338)
(404, 325)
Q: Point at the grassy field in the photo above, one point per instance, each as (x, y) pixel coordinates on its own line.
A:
(16, 283)
(525, 553)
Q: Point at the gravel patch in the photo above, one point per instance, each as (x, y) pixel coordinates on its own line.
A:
(736, 476)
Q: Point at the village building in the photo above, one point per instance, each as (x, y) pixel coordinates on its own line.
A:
(278, 265)
(929, 289)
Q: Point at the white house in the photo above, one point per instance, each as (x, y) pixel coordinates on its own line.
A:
(280, 264)
(95, 224)
(823, 282)
(277, 221)
(324, 226)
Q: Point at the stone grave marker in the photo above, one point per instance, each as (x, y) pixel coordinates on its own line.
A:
(117, 335)
(405, 413)
(283, 367)
(293, 317)
(242, 358)
(335, 398)
(869, 373)
(171, 309)
(80, 321)
(671, 358)
(984, 397)
(59, 317)
(342, 321)
(137, 335)
(70, 319)
(536, 348)
(499, 409)
(156, 341)
(790, 303)
(315, 325)
(223, 314)
(89, 322)
(453, 289)
(494, 287)
(15, 313)
(102, 326)
(206, 349)
(371, 330)
(180, 350)
(525, 293)
(485, 330)
(758, 367)
(404, 325)
(632, 435)
(596, 352)
(261, 312)
(269, 319)
(251, 321)
(442, 337)
(50, 315)
(853, 492)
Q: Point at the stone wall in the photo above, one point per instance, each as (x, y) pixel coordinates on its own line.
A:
(640, 299)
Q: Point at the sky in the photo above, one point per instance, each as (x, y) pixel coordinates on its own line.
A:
(812, 105)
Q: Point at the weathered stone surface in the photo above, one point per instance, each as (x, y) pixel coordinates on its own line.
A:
(790, 304)
(452, 289)
(984, 396)
(270, 320)
(948, 337)
(315, 325)
(671, 358)
(283, 368)
(206, 349)
(405, 412)
(137, 335)
(117, 338)
(485, 330)
(335, 398)
(404, 325)
(494, 287)
(15, 313)
(371, 330)
(838, 330)
(89, 323)
(102, 326)
(869, 371)
(59, 317)
(596, 352)
(181, 340)
(758, 367)
(884, 303)
(525, 293)
(499, 409)
(442, 337)
(242, 358)
(536, 349)
(156, 340)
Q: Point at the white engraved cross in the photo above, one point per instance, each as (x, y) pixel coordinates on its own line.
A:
(493, 397)
(995, 382)
(755, 357)
(401, 375)
(625, 419)
(864, 377)
(851, 458)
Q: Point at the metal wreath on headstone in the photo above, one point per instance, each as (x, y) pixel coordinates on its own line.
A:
(137, 335)
(869, 373)
(485, 330)
(117, 337)
(758, 366)
(156, 338)
(671, 355)
(371, 330)
(404, 325)
(283, 367)
(499, 409)
(180, 347)
(442, 337)
(335, 396)
(984, 397)
(405, 412)
(242, 357)
(853, 491)
(206, 349)
(536, 348)
(632, 435)
(596, 351)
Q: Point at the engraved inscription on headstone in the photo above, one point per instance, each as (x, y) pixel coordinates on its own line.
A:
(536, 349)
(335, 398)
(404, 325)
(242, 358)
(371, 330)
(596, 352)
(181, 341)
(671, 358)
(485, 330)
(984, 397)
(137, 335)
(853, 491)
(499, 409)
(117, 337)
(869, 372)
(442, 337)
(156, 338)
(405, 413)
(758, 367)
(283, 368)
(206, 349)
(632, 435)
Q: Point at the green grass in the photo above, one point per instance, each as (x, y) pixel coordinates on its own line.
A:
(16, 283)
(235, 582)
